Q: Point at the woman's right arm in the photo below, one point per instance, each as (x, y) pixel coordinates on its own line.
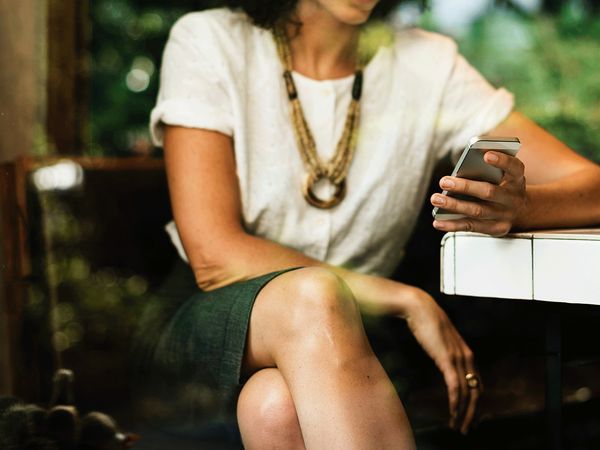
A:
(206, 206)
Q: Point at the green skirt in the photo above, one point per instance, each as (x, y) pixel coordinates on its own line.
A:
(200, 337)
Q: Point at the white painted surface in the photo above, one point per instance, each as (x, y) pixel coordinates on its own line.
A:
(492, 267)
(567, 270)
(447, 270)
(574, 234)
(553, 265)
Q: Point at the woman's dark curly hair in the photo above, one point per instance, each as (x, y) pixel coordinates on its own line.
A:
(265, 13)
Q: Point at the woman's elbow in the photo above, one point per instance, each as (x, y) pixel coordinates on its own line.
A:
(215, 258)
(214, 273)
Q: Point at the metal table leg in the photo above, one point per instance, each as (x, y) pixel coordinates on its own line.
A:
(553, 381)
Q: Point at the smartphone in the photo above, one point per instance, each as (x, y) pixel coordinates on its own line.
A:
(472, 166)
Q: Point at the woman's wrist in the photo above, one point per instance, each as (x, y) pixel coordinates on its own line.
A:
(409, 298)
(381, 296)
(522, 219)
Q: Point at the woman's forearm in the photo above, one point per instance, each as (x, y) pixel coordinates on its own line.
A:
(572, 201)
(244, 256)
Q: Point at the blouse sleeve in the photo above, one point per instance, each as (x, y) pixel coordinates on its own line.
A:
(191, 93)
(470, 106)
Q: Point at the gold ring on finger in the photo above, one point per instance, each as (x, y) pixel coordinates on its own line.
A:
(472, 380)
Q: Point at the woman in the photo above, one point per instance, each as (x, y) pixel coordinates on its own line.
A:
(268, 173)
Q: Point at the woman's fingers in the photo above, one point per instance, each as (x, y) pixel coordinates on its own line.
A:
(491, 227)
(482, 190)
(463, 394)
(464, 364)
(471, 410)
(489, 217)
(511, 166)
(474, 393)
(453, 386)
(459, 394)
(488, 208)
(462, 398)
(476, 210)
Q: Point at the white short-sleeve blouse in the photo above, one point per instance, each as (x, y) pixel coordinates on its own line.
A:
(421, 99)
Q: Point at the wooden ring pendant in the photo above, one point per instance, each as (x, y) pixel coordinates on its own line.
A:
(311, 197)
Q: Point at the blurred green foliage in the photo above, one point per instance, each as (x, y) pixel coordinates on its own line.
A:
(102, 293)
(550, 63)
(126, 35)
(549, 60)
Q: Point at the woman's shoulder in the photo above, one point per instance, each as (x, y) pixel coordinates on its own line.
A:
(212, 25)
(427, 44)
(409, 47)
(423, 54)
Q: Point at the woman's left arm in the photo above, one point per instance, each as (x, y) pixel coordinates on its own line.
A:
(562, 187)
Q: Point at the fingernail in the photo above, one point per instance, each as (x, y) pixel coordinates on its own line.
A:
(447, 183)
(491, 157)
(440, 225)
(439, 200)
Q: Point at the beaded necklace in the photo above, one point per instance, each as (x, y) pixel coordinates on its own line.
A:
(336, 169)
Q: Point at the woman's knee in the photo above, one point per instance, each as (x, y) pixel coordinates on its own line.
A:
(303, 311)
(266, 413)
(314, 296)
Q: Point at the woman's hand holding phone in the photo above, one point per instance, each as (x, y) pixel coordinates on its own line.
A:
(496, 209)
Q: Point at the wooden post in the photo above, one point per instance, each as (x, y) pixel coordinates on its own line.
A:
(22, 117)
(15, 268)
(22, 107)
(68, 75)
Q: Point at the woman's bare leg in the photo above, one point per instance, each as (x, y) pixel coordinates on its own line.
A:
(267, 415)
(307, 324)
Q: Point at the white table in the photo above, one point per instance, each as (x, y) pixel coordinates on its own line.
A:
(561, 266)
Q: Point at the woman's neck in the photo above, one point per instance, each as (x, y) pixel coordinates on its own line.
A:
(322, 47)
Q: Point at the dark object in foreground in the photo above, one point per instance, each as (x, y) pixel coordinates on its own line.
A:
(27, 426)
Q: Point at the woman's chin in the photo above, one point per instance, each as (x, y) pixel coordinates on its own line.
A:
(354, 16)
(358, 11)
(349, 12)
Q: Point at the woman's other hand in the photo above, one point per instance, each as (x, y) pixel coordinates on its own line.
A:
(442, 342)
(498, 207)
